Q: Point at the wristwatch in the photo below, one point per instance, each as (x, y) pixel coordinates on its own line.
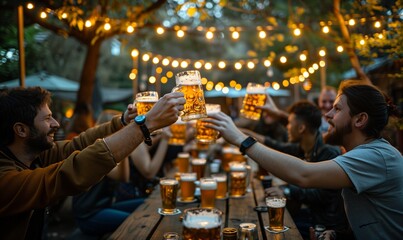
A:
(287, 192)
(140, 120)
(247, 143)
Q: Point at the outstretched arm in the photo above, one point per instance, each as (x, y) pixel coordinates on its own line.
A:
(326, 174)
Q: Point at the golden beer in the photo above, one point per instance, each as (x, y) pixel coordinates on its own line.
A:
(202, 224)
(145, 101)
(276, 207)
(205, 134)
(222, 188)
(182, 162)
(178, 131)
(237, 184)
(208, 189)
(169, 190)
(199, 166)
(255, 96)
(188, 186)
(230, 154)
(189, 83)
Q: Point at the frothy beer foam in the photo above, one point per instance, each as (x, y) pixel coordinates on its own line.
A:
(256, 90)
(202, 221)
(169, 182)
(208, 185)
(147, 99)
(188, 78)
(199, 161)
(275, 203)
(188, 177)
(183, 155)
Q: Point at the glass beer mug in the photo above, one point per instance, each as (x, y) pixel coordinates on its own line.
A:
(202, 224)
(255, 96)
(189, 82)
(203, 133)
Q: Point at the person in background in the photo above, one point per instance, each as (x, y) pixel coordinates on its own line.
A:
(144, 168)
(37, 171)
(95, 211)
(370, 173)
(326, 99)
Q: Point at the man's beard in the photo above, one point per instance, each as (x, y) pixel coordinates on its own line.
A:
(37, 141)
(336, 136)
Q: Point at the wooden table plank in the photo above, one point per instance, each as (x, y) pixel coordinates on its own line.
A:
(146, 223)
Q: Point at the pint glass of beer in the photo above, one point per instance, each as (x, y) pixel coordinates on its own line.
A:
(222, 188)
(178, 131)
(255, 96)
(199, 166)
(145, 101)
(169, 191)
(237, 179)
(182, 162)
(208, 189)
(188, 186)
(202, 224)
(189, 82)
(276, 207)
(205, 134)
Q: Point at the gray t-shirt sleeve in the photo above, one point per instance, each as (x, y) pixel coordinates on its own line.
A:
(364, 166)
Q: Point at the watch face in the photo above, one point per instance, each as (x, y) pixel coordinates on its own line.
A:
(140, 119)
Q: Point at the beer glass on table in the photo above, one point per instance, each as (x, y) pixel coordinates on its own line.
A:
(276, 208)
(187, 186)
(178, 131)
(182, 162)
(237, 179)
(205, 134)
(202, 224)
(221, 179)
(208, 189)
(169, 190)
(189, 83)
(255, 96)
(199, 166)
(144, 102)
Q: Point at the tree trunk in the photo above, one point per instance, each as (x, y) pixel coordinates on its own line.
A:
(87, 83)
(348, 44)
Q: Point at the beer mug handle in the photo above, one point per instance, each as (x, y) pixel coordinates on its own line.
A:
(177, 89)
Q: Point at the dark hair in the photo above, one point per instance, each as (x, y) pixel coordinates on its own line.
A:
(20, 105)
(308, 113)
(362, 97)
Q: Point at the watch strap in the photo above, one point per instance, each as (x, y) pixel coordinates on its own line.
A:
(247, 143)
(144, 129)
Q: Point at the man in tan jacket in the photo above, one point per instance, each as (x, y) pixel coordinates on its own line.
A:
(36, 171)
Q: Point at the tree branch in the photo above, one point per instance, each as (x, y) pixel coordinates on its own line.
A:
(349, 48)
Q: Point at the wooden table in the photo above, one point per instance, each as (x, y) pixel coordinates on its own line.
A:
(146, 223)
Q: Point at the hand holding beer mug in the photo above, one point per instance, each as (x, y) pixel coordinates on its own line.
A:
(189, 82)
(276, 207)
(188, 187)
(144, 102)
(169, 191)
(208, 189)
(255, 96)
(202, 224)
(205, 134)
